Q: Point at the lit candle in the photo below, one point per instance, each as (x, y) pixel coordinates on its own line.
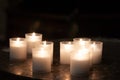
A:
(80, 62)
(41, 62)
(81, 42)
(66, 48)
(33, 39)
(17, 48)
(48, 45)
(96, 52)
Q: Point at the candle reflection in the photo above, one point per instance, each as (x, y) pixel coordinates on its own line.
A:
(17, 70)
(95, 75)
(67, 77)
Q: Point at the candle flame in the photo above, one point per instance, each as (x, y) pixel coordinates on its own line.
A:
(33, 34)
(33, 37)
(93, 45)
(44, 42)
(18, 39)
(18, 42)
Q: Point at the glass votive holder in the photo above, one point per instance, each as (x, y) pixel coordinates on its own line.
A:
(96, 53)
(83, 42)
(80, 62)
(18, 49)
(41, 60)
(66, 48)
(33, 40)
(48, 45)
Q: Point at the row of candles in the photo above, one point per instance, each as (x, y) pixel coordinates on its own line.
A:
(80, 54)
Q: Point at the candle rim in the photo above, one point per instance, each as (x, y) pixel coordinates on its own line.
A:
(15, 39)
(66, 42)
(36, 34)
(82, 39)
(97, 42)
(47, 42)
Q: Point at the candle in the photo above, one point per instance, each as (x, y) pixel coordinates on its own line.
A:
(80, 62)
(17, 48)
(81, 42)
(41, 62)
(33, 39)
(96, 52)
(66, 48)
(48, 45)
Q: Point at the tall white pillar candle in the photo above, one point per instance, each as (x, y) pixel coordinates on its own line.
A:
(33, 39)
(96, 52)
(80, 62)
(66, 48)
(18, 48)
(41, 61)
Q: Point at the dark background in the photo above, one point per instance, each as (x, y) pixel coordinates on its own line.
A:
(63, 19)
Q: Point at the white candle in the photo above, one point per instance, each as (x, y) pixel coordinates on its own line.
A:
(41, 61)
(48, 45)
(80, 62)
(18, 48)
(33, 39)
(66, 48)
(96, 52)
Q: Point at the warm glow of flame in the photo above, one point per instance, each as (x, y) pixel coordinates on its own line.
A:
(68, 46)
(93, 46)
(44, 42)
(41, 53)
(81, 42)
(17, 42)
(67, 79)
(33, 34)
(18, 39)
(82, 55)
(17, 71)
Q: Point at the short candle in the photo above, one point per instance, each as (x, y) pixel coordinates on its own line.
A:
(18, 48)
(80, 62)
(49, 46)
(41, 60)
(66, 48)
(33, 40)
(96, 52)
